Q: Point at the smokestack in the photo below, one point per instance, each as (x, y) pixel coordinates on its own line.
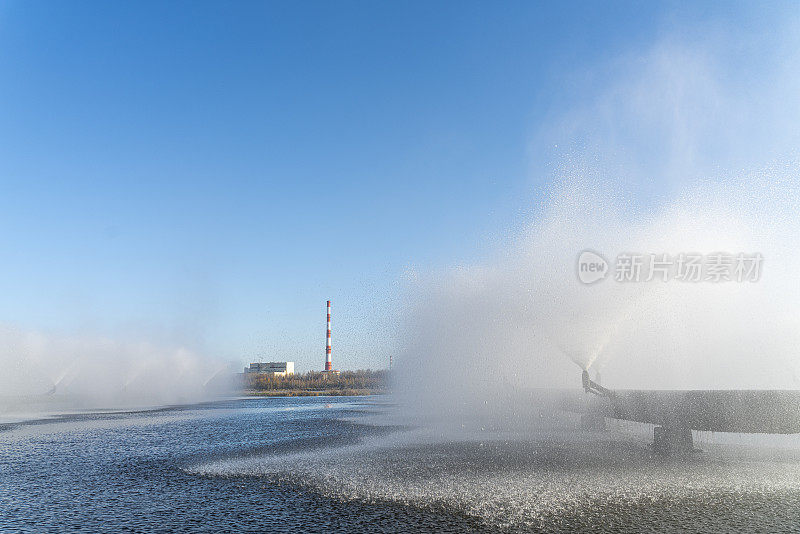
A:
(328, 364)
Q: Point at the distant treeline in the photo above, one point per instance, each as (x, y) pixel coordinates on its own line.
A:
(362, 382)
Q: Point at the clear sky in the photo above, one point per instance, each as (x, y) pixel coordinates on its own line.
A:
(210, 173)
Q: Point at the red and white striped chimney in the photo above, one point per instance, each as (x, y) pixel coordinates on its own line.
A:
(328, 364)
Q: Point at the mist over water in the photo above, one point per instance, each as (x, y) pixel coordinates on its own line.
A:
(478, 334)
(526, 320)
(51, 373)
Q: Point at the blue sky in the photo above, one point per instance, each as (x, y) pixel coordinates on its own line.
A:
(209, 174)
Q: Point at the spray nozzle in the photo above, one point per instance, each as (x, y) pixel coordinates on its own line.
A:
(593, 387)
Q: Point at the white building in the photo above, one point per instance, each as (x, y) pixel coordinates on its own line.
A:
(271, 368)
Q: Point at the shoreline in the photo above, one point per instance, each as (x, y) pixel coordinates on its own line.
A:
(312, 393)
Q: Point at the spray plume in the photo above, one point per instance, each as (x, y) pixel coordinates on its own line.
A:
(51, 373)
(523, 320)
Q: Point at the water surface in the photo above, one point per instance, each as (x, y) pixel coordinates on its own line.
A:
(335, 464)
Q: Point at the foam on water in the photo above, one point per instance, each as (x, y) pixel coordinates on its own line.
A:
(557, 480)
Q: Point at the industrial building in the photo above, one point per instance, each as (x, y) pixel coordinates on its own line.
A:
(271, 368)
